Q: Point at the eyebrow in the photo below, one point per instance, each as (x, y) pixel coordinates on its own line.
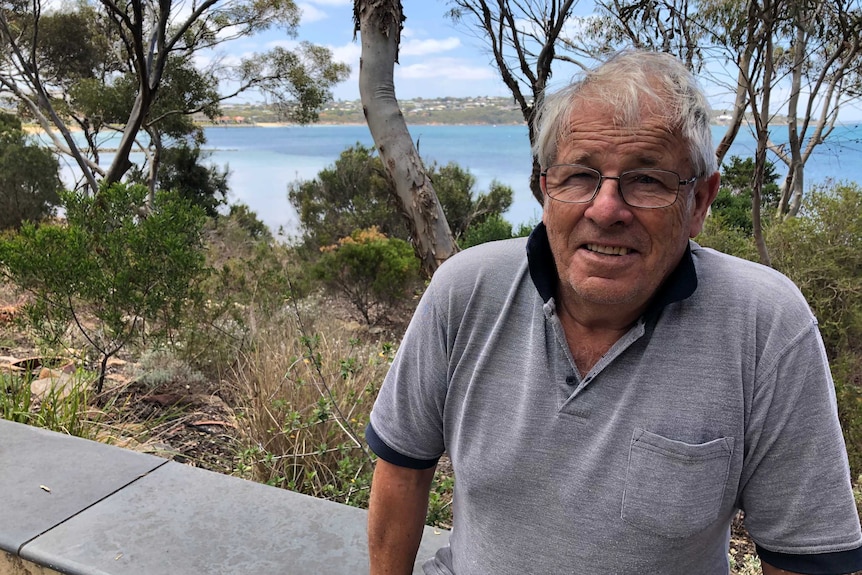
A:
(585, 159)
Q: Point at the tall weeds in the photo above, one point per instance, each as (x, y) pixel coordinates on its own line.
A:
(305, 392)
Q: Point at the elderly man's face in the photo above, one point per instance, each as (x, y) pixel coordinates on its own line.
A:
(608, 253)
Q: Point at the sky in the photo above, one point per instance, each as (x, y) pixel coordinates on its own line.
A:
(438, 57)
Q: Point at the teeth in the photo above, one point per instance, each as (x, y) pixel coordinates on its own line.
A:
(608, 250)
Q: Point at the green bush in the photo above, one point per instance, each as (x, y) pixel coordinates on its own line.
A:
(733, 202)
(371, 270)
(355, 193)
(821, 251)
(730, 239)
(491, 229)
(252, 278)
(30, 182)
(131, 271)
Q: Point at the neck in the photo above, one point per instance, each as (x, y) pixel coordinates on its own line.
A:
(591, 332)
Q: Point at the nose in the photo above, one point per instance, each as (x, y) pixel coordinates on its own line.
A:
(608, 208)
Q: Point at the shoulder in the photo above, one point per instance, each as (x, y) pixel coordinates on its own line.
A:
(488, 266)
(731, 281)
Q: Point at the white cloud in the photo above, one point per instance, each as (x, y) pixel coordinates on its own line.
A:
(332, 2)
(347, 53)
(447, 68)
(311, 13)
(424, 47)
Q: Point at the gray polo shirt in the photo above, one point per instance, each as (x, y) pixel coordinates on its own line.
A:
(718, 399)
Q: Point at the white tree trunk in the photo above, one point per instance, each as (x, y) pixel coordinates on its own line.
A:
(379, 23)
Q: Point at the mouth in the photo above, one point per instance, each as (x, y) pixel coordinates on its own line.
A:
(608, 250)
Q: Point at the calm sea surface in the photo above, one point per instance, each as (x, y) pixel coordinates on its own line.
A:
(263, 160)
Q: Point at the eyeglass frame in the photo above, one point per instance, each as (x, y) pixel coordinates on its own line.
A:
(682, 183)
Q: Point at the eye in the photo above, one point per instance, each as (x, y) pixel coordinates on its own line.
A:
(649, 179)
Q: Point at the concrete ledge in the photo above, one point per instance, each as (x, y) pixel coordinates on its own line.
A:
(83, 508)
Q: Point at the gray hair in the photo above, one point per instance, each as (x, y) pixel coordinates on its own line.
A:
(627, 81)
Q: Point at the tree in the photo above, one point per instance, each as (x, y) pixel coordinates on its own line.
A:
(183, 171)
(371, 270)
(380, 22)
(355, 193)
(130, 66)
(465, 210)
(734, 200)
(30, 185)
(522, 38)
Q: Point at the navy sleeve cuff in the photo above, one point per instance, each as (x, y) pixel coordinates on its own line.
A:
(386, 453)
(836, 563)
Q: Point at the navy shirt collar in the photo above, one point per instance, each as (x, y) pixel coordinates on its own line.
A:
(679, 285)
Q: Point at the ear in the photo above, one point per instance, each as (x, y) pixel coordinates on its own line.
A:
(543, 184)
(704, 194)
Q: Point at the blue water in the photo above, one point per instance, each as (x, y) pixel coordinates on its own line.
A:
(263, 161)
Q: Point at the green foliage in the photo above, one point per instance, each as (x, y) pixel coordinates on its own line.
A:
(248, 221)
(730, 239)
(440, 501)
(463, 208)
(252, 278)
(355, 194)
(373, 271)
(182, 171)
(90, 64)
(350, 195)
(733, 202)
(133, 271)
(491, 229)
(30, 184)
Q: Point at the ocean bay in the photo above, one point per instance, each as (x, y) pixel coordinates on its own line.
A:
(263, 161)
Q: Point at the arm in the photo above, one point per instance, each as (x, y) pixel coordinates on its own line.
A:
(396, 517)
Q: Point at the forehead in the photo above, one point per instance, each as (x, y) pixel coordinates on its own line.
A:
(594, 132)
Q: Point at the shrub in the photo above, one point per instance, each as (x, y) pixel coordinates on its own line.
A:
(491, 229)
(252, 278)
(30, 183)
(133, 271)
(371, 270)
(717, 234)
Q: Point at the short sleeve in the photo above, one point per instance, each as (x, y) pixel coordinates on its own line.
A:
(407, 416)
(796, 490)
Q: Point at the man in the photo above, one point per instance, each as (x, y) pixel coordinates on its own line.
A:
(610, 398)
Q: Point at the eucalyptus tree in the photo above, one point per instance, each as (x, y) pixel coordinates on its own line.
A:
(103, 64)
(379, 23)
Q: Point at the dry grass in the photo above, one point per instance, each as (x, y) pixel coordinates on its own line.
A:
(305, 391)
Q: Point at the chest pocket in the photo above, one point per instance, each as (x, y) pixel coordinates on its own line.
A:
(672, 488)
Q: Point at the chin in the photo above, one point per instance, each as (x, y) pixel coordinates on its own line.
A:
(606, 292)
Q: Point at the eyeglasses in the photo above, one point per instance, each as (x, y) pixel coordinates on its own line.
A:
(647, 188)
